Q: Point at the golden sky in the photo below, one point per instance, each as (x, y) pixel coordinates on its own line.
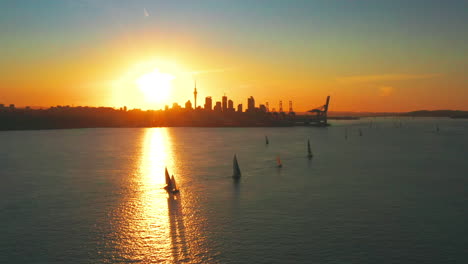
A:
(383, 56)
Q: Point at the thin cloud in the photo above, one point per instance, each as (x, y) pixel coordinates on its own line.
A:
(385, 90)
(145, 12)
(207, 71)
(246, 86)
(385, 77)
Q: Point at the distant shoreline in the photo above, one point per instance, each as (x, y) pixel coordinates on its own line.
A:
(212, 126)
(73, 118)
(418, 113)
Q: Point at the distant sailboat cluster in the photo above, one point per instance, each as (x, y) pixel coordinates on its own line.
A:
(236, 174)
(171, 186)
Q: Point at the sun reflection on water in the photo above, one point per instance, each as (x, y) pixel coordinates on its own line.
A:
(153, 227)
(145, 228)
(156, 155)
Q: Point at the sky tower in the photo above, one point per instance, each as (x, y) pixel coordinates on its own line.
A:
(195, 95)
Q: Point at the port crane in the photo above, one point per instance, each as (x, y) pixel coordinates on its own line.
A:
(321, 112)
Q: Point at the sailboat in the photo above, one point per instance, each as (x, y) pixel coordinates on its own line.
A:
(280, 165)
(309, 152)
(266, 140)
(174, 186)
(437, 128)
(235, 167)
(360, 132)
(168, 181)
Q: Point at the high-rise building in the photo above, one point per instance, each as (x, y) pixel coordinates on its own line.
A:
(218, 107)
(250, 104)
(188, 105)
(230, 106)
(263, 108)
(239, 108)
(176, 106)
(225, 106)
(208, 103)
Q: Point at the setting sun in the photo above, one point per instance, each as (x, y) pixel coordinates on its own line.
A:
(155, 85)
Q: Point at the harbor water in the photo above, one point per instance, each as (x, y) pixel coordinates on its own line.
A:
(377, 190)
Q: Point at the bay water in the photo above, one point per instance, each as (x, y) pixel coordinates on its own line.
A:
(377, 190)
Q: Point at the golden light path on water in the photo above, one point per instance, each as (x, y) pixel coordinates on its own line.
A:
(153, 230)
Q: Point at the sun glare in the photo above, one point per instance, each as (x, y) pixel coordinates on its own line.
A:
(155, 86)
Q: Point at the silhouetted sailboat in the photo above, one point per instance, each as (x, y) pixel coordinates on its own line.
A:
(360, 132)
(173, 185)
(170, 183)
(280, 165)
(266, 140)
(437, 128)
(309, 152)
(235, 167)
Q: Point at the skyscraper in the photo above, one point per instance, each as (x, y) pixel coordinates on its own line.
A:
(208, 103)
(230, 106)
(188, 105)
(250, 104)
(218, 107)
(225, 106)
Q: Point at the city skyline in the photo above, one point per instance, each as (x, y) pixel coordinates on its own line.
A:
(377, 56)
(224, 105)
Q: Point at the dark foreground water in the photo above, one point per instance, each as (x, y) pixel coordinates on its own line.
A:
(393, 195)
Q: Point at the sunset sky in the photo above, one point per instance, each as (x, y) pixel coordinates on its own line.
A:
(369, 55)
